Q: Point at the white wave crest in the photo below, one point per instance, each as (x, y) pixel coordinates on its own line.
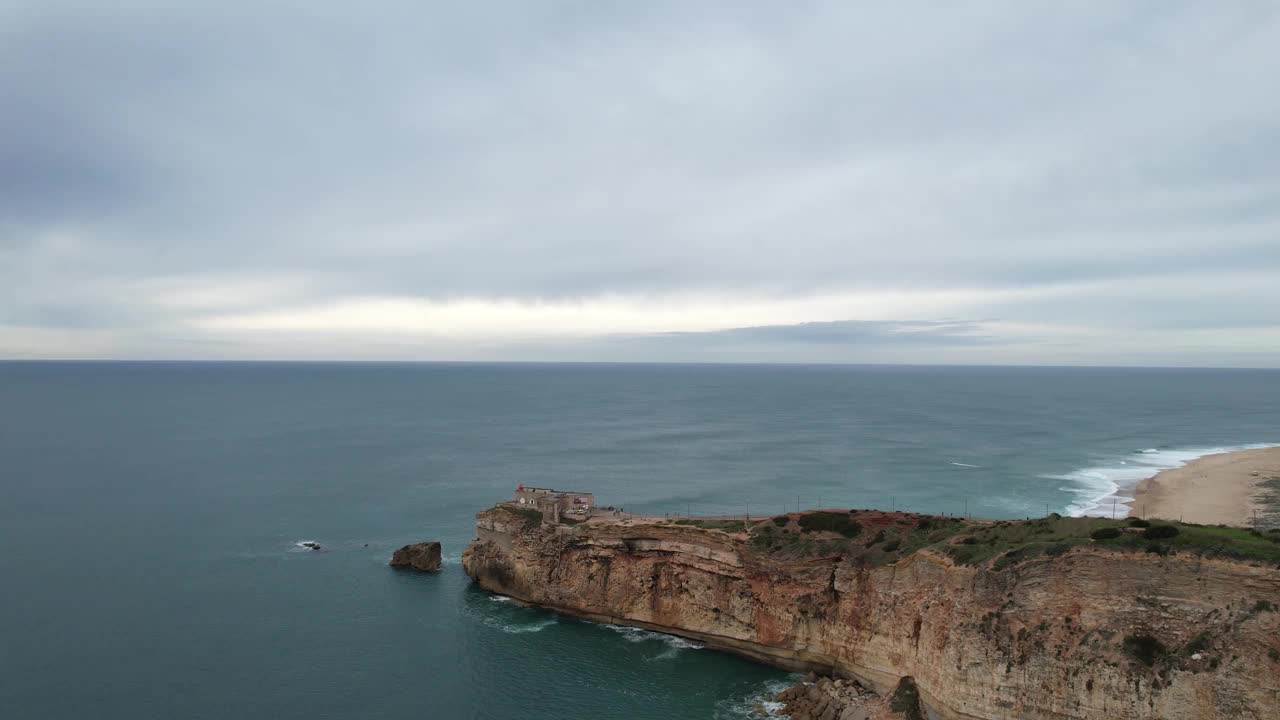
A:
(674, 644)
(960, 464)
(520, 629)
(499, 598)
(757, 705)
(1100, 488)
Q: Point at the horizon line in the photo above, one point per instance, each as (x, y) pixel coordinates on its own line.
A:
(673, 363)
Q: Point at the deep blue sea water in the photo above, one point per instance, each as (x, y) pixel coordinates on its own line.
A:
(149, 514)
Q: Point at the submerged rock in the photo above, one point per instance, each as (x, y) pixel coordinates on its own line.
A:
(424, 556)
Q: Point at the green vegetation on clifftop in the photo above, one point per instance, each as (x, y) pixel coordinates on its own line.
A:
(877, 538)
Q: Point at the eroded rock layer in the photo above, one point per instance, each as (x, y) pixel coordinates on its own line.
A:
(1089, 633)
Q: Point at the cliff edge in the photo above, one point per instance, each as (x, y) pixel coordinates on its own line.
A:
(1031, 619)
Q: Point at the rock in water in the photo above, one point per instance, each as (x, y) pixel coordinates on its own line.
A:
(423, 556)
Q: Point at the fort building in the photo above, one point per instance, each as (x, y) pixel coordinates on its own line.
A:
(554, 503)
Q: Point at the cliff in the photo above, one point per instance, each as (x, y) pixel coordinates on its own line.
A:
(1082, 630)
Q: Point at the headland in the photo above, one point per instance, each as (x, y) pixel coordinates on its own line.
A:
(1055, 618)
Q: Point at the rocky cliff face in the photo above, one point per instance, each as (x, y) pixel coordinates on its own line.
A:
(1089, 633)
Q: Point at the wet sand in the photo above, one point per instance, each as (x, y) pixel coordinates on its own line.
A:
(1221, 489)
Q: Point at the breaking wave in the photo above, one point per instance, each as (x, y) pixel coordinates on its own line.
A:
(1106, 486)
(522, 628)
(757, 705)
(674, 644)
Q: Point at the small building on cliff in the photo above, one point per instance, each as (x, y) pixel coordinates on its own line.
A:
(554, 503)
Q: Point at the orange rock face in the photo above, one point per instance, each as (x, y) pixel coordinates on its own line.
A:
(1052, 637)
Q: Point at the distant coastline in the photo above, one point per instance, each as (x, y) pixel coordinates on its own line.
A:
(1236, 488)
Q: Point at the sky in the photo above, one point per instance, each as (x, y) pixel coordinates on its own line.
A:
(1092, 183)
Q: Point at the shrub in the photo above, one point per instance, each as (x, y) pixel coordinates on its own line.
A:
(1057, 549)
(532, 518)
(1138, 522)
(1160, 532)
(1107, 533)
(1274, 654)
(830, 522)
(1144, 648)
(890, 546)
(1199, 643)
(781, 520)
(878, 537)
(906, 699)
(1263, 606)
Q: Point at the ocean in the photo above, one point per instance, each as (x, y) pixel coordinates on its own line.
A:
(150, 514)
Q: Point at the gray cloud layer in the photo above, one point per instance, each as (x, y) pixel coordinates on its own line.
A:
(1096, 182)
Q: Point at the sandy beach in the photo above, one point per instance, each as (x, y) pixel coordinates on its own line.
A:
(1222, 489)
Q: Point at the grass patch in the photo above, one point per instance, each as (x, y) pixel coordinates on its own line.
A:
(728, 524)
(1003, 543)
(532, 518)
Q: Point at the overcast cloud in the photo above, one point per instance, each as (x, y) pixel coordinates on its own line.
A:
(991, 182)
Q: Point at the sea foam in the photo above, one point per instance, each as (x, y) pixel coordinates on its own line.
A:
(757, 705)
(674, 644)
(1103, 488)
(521, 628)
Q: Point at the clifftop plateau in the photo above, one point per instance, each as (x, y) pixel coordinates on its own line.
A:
(1055, 618)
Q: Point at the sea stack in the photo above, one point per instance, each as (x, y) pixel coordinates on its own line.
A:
(423, 556)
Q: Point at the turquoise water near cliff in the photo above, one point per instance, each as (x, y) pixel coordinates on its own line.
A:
(150, 512)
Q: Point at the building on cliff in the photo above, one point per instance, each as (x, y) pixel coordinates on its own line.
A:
(554, 503)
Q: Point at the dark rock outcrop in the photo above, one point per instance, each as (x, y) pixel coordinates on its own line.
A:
(424, 556)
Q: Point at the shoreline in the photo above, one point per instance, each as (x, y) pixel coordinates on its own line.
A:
(1218, 489)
